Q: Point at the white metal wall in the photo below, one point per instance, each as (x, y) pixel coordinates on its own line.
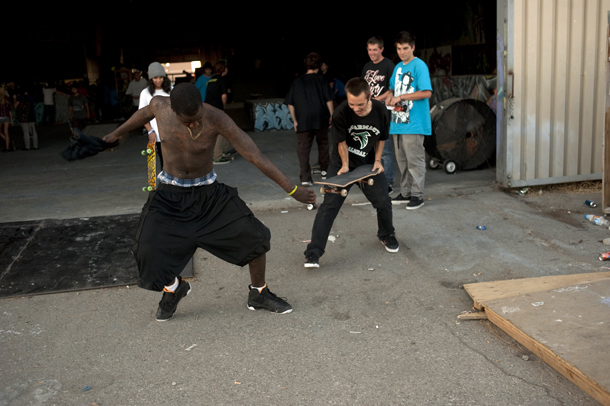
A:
(551, 90)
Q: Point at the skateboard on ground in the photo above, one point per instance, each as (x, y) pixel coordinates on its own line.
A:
(149, 152)
(337, 184)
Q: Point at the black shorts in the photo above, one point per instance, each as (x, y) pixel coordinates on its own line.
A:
(176, 220)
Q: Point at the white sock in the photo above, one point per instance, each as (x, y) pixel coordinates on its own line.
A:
(260, 289)
(173, 287)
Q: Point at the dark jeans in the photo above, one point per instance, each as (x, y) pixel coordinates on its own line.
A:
(48, 114)
(377, 194)
(304, 143)
(387, 160)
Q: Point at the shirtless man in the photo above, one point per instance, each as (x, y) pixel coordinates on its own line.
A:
(190, 209)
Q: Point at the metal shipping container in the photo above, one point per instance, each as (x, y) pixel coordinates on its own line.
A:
(552, 90)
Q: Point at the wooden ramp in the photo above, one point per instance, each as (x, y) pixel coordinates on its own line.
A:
(564, 320)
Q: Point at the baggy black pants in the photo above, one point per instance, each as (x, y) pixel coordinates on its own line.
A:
(176, 220)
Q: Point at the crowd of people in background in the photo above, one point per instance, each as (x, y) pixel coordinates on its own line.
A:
(77, 103)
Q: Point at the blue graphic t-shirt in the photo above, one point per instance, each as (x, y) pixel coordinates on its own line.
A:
(411, 117)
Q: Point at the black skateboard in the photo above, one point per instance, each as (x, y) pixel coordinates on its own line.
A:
(337, 184)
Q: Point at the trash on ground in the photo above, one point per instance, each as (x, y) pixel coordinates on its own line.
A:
(598, 220)
(590, 203)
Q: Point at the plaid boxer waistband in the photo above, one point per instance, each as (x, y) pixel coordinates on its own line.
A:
(172, 180)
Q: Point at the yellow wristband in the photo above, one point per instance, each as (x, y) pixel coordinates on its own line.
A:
(295, 189)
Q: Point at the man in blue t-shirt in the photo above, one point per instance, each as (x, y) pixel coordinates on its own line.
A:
(410, 123)
(204, 78)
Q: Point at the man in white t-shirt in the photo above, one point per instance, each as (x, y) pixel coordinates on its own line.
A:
(48, 114)
(135, 87)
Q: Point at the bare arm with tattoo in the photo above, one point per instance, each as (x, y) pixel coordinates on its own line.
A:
(188, 143)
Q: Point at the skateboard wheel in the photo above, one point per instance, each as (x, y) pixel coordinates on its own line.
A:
(149, 151)
(144, 152)
(370, 182)
(311, 206)
(323, 190)
(343, 192)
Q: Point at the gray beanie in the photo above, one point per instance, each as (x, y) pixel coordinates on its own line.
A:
(155, 69)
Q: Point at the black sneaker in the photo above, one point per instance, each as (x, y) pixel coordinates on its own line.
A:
(390, 243)
(415, 203)
(267, 300)
(312, 261)
(169, 301)
(401, 199)
(229, 154)
(222, 160)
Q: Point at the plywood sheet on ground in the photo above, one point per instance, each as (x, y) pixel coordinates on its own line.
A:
(564, 320)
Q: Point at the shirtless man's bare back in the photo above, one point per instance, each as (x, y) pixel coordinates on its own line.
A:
(210, 215)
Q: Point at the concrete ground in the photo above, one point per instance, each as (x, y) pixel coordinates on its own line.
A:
(368, 327)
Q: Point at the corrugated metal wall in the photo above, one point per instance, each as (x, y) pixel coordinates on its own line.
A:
(553, 84)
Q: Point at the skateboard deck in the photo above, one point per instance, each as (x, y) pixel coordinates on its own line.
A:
(337, 184)
(149, 152)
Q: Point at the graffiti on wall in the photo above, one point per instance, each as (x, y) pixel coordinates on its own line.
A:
(272, 116)
(482, 88)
